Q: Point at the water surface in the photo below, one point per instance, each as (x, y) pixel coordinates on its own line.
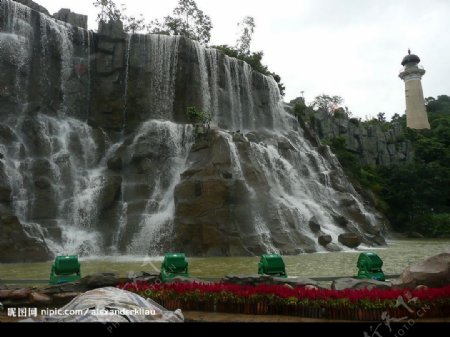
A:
(397, 256)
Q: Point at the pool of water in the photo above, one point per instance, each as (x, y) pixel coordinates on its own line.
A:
(397, 256)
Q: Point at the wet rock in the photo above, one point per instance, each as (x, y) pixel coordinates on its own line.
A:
(110, 191)
(285, 145)
(325, 240)
(314, 225)
(340, 220)
(433, 272)
(350, 240)
(5, 193)
(332, 247)
(353, 283)
(17, 246)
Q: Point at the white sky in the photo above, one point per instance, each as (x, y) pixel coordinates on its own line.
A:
(350, 48)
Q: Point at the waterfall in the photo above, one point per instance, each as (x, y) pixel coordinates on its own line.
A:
(89, 190)
(155, 226)
(153, 64)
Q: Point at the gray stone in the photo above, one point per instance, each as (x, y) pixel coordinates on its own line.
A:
(354, 283)
(112, 29)
(77, 20)
(285, 145)
(433, 272)
(110, 192)
(17, 246)
(315, 227)
(325, 240)
(350, 240)
(33, 5)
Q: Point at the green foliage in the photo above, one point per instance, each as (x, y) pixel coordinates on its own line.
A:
(254, 60)
(247, 28)
(108, 10)
(187, 20)
(327, 103)
(196, 116)
(414, 196)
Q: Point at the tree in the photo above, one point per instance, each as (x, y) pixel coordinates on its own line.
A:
(381, 117)
(108, 10)
(132, 24)
(187, 20)
(327, 103)
(246, 30)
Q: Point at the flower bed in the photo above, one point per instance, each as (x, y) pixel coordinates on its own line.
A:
(361, 304)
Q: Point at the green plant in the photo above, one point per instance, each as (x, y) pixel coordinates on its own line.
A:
(196, 116)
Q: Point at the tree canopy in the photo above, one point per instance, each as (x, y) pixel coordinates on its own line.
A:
(187, 20)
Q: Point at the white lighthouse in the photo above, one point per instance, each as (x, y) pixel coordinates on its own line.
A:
(416, 113)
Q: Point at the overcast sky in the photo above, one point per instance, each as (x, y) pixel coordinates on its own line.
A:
(350, 48)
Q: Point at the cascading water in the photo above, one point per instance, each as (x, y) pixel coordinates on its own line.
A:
(85, 189)
(155, 225)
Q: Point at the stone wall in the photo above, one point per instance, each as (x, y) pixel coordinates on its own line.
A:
(372, 144)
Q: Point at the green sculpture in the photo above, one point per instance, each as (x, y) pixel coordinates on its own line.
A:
(65, 269)
(273, 265)
(174, 265)
(369, 266)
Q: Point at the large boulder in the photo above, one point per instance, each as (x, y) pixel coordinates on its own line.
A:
(350, 240)
(432, 272)
(325, 240)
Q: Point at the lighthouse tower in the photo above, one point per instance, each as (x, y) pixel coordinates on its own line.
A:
(416, 113)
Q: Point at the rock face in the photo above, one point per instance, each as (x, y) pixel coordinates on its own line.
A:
(96, 156)
(371, 144)
(77, 20)
(433, 272)
(16, 245)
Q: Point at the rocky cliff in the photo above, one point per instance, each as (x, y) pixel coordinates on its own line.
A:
(371, 143)
(96, 157)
